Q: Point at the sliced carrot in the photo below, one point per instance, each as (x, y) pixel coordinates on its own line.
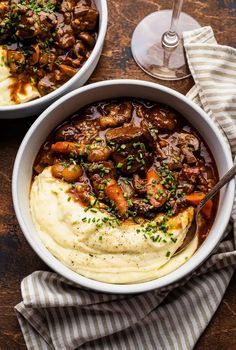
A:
(195, 198)
(67, 147)
(114, 192)
(157, 194)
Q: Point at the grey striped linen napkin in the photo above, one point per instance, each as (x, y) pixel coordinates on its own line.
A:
(56, 314)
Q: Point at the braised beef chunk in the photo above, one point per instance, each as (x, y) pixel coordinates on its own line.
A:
(29, 25)
(139, 184)
(169, 152)
(159, 117)
(47, 41)
(65, 37)
(206, 178)
(104, 169)
(125, 134)
(116, 114)
(99, 174)
(191, 173)
(67, 132)
(189, 144)
(67, 5)
(84, 17)
(83, 131)
(135, 158)
(177, 148)
(142, 206)
(186, 187)
(47, 84)
(88, 130)
(87, 38)
(132, 158)
(129, 133)
(126, 186)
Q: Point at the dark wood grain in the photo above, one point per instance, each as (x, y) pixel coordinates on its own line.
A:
(17, 259)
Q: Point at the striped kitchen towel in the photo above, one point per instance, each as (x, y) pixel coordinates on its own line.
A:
(56, 314)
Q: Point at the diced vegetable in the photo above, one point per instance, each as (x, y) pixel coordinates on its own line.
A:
(195, 198)
(114, 192)
(157, 194)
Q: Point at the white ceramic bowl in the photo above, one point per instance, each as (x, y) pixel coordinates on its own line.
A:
(68, 105)
(37, 106)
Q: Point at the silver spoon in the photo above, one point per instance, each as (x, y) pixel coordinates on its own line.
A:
(193, 229)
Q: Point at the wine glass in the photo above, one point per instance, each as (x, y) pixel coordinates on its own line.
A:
(157, 43)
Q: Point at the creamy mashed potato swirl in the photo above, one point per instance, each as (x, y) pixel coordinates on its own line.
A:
(111, 253)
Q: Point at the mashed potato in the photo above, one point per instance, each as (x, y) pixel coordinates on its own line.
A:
(23, 92)
(92, 244)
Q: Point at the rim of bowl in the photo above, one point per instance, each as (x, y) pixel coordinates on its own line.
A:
(53, 95)
(200, 255)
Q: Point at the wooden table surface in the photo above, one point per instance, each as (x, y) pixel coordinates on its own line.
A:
(17, 259)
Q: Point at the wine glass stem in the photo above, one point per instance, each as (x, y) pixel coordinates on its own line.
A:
(170, 39)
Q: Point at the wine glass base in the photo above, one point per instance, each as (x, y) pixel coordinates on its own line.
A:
(148, 51)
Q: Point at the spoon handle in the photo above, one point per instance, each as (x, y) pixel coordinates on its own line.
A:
(226, 178)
